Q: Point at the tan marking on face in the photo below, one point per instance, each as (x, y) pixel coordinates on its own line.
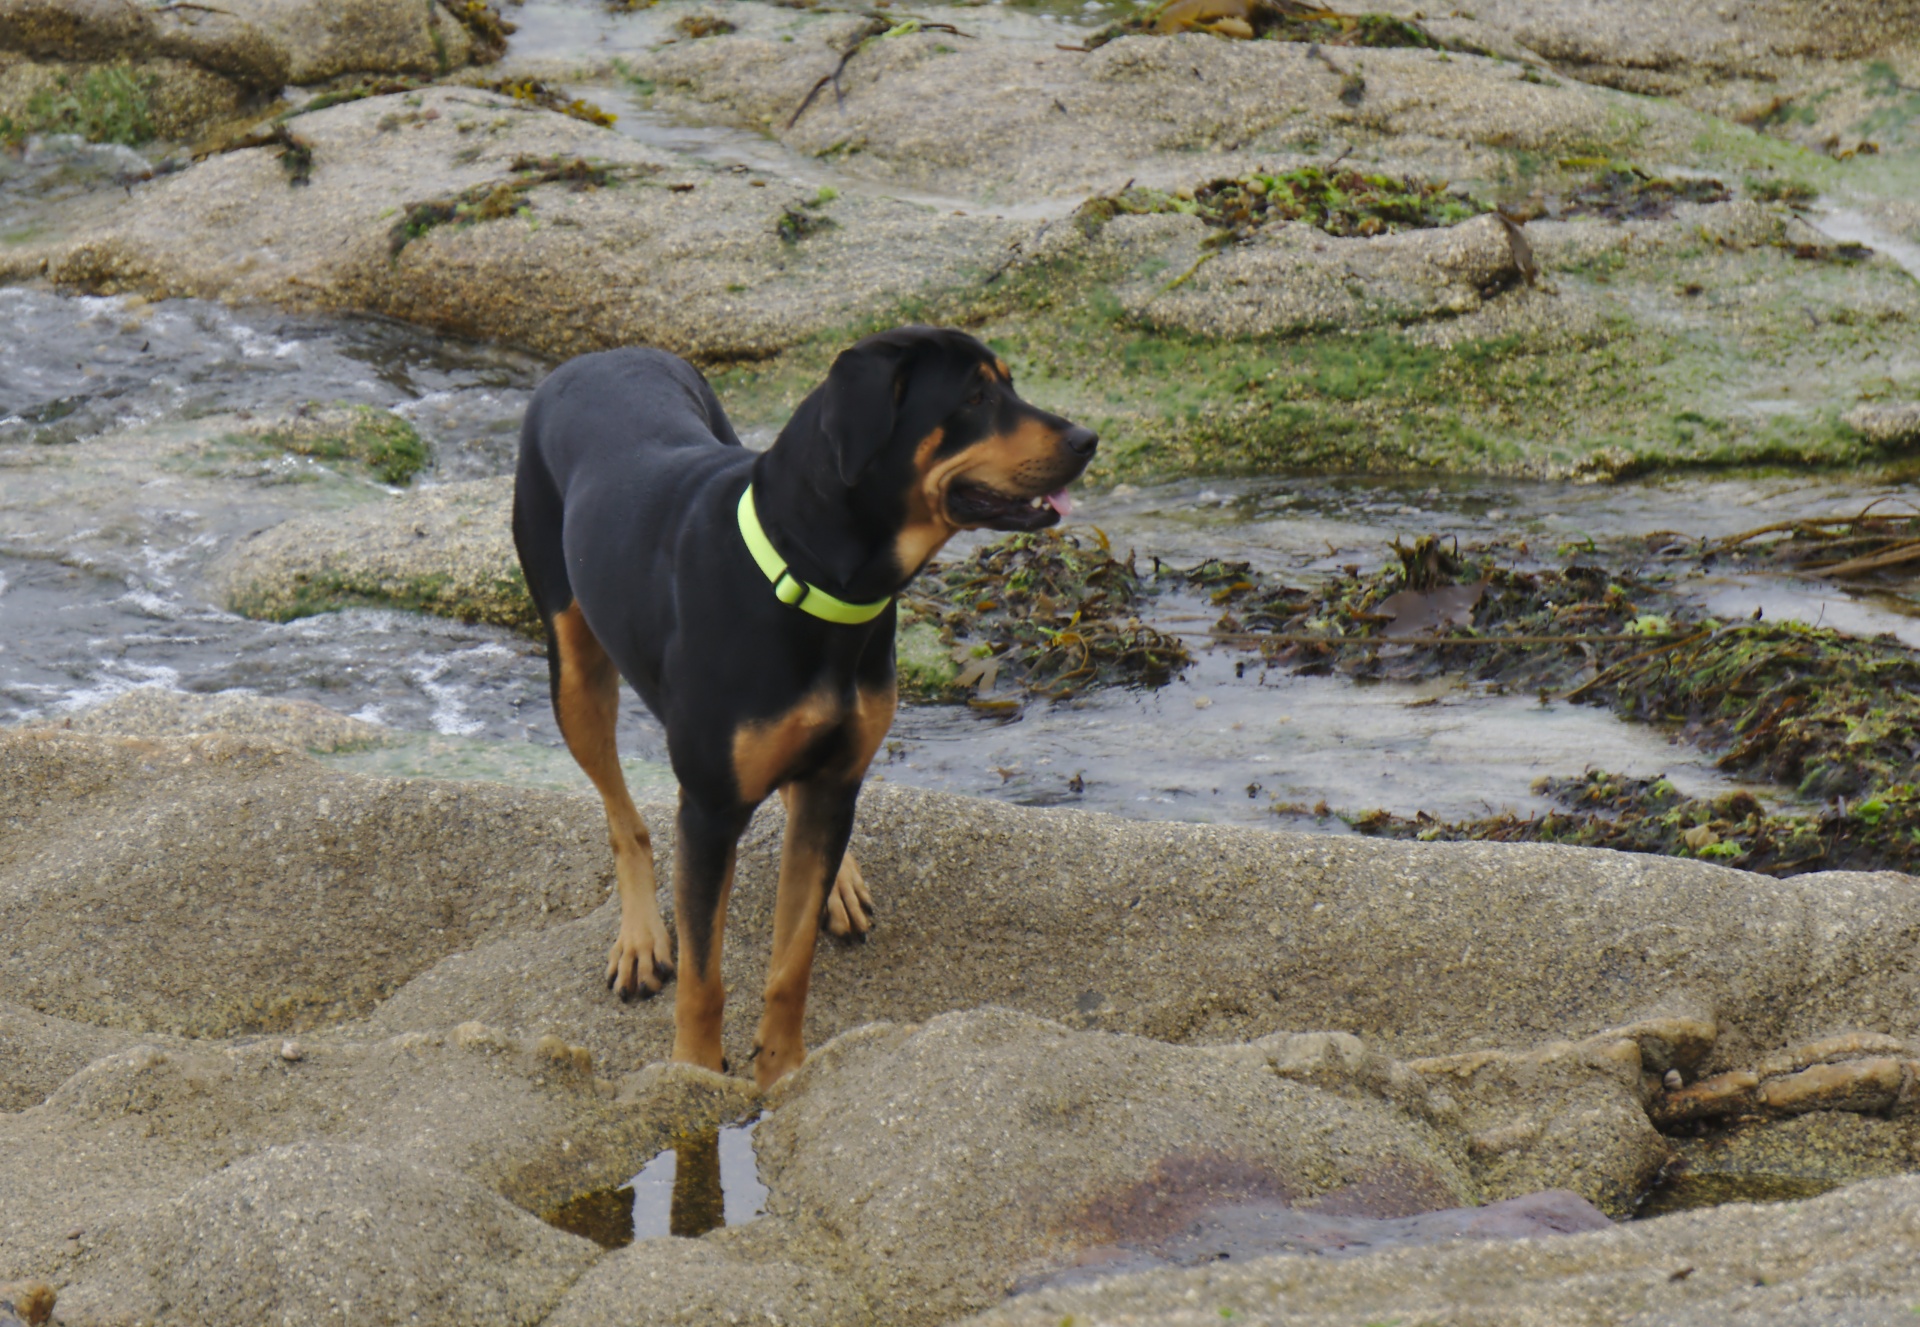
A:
(766, 751)
(927, 526)
(1000, 367)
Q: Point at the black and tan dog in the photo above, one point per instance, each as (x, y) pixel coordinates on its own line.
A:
(748, 599)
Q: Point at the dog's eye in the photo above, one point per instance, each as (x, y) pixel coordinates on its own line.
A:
(979, 398)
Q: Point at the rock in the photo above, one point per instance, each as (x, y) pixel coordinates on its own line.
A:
(38, 1053)
(1854, 1071)
(119, 1142)
(668, 1280)
(1159, 110)
(157, 712)
(996, 1145)
(1846, 1257)
(702, 271)
(261, 45)
(261, 892)
(1888, 426)
(1642, 47)
(1294, 278)
(30, 1304)
(1565, 1115)
(310, 1231)
(1822, 1148)
(446, 550)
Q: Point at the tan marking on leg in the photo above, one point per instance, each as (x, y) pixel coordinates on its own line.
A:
(780, 1047)
(765, 751)
(587, 705)
(849, 910)
(702, 998)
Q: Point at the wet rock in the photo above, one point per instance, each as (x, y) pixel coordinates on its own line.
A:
(995, 1145)
(260, 891)
(445, 550)
(305, 1232)
(159, 712)
(1889, 426)
(701, 270)
(1240, 1231)
(1842, 1258)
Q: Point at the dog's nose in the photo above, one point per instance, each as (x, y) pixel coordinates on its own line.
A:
(1081, 441)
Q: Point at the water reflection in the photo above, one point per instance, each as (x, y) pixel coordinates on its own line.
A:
(705, 1181)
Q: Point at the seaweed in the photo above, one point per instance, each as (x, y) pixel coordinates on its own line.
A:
(490, 31)
(535, 93)
(383, 442)
(492, 200)
(1275, 20)
(803, 216)
(696, 26)
(295, 154)
(1051, 614)
(1830, 718)
(1340, 202)
(1621, 192)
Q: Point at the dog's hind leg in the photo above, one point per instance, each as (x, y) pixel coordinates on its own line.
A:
(586, 701)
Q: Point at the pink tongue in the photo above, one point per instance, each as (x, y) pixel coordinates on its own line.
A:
(1060, 502)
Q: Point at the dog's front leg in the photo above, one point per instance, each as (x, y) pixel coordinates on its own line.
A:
(702, 882)
(819, 823)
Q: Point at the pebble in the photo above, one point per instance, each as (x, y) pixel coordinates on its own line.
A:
(1673, 1080)
(290, 1052)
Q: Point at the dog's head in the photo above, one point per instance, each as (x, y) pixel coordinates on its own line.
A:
(925, 431)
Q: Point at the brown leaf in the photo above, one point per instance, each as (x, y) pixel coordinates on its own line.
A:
(1426, 612)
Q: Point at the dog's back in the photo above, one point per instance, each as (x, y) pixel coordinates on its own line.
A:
(620, 443)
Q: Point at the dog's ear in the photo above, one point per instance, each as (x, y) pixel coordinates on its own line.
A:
(860, 403)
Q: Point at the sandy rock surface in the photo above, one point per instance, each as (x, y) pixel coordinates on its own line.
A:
(385, 1009)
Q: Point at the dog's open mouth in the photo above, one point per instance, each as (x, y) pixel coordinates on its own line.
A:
(977, 505)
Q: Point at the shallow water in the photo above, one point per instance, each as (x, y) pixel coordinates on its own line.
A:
(701, 1184)
(88, 612)
(1687, 1192)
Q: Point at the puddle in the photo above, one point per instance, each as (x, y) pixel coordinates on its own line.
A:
(701, 1184)
(1685, 1192)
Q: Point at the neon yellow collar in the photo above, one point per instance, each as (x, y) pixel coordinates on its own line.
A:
(788, 588)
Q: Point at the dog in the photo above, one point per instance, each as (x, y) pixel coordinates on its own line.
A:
(748, 598)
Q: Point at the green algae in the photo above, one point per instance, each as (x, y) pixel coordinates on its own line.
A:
(106, 104)
(1339, 202)
(384, 443)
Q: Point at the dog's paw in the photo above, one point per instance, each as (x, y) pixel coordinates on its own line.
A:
(849, 911)
(638, 965)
